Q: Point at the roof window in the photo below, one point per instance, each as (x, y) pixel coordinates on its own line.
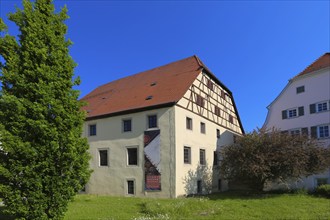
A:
(149, 97)
(153, 84)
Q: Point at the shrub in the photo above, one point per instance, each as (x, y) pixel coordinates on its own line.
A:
(323, 190)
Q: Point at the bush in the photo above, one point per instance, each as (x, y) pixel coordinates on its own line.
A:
(323, 190)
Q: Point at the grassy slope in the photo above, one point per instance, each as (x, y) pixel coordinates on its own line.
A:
(221, 206)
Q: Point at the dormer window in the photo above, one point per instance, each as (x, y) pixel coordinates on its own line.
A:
(149, 97)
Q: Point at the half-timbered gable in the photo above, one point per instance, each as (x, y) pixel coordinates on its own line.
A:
(207, 98)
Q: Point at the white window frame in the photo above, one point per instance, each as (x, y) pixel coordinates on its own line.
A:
(322, 103)
(292, 109)
(296, 131)
(137, 156)
(327, 127)
(99, 156)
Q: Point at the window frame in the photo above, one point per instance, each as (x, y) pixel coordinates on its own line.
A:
(189, 123)
(128, 155)
(217, 111)
(203, 127)
(200, 100)
(123, 125)
(187, 160)
(202, 156)
(149, 121)
(128, 192)
(322, 103)
(92, 132)
(218, 133)
(326, 133)
(300, 89)
(99, 150)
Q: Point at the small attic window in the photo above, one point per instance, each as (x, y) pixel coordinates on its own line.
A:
(153, 84)
(149, 97)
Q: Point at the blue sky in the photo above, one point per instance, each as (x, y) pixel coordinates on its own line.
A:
(253, 47)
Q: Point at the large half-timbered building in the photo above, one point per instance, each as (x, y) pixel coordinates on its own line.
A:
(154, 133)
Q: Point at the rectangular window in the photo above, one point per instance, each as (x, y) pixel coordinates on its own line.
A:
(217, 111)
(292, 113)
(202, 157)
(294, 132)
(130, 187)
(189, 125)
(218, 133)
(323, 131)
(300, 89)
(209, 84)
(231, 119)
(322, 106)
(132, 156)
(103, 157)
(152, 121)
(199, 100)
(92, 130)
(199, 186)
(203, 130)
(215, 158)
(223, 94)
(127, 125)
(187, 155)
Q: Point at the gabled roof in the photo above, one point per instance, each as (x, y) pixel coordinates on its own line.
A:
(320, 63)
(161, 86)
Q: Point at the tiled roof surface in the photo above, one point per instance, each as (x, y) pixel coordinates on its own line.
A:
(320, 63)
(160, 86)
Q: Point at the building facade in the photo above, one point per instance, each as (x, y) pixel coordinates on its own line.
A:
(156, 133)
(303, 107)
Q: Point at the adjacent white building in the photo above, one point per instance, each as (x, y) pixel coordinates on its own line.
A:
(154, 133)
(303, 106)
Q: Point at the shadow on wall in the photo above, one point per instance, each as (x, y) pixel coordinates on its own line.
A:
(198, 181)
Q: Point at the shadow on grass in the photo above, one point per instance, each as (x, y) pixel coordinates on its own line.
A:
(3, 216)
(241, 195)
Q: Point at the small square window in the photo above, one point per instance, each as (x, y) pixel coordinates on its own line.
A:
(300, 89)
(202, 157)
(187, 155)
(92, 130)
(189, 125)
(103, 157)
(209, 84)
(152, 121)
(203, 129)
(127, 125)
(130, 187)
(292, 113)
(132, 156)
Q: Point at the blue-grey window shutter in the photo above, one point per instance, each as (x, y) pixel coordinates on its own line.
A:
(284, 115)
(301, 111)
(312, 108)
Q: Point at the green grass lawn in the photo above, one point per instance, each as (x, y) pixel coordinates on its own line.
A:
(220, 206)
(217, 206)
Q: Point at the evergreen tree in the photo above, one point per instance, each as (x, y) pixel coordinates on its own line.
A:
(43, 158)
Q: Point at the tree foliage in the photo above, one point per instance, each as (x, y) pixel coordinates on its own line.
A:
(265, 156)
(43, 158)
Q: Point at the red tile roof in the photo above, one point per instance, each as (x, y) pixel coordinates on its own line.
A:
(161, 86)
(320, 63)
